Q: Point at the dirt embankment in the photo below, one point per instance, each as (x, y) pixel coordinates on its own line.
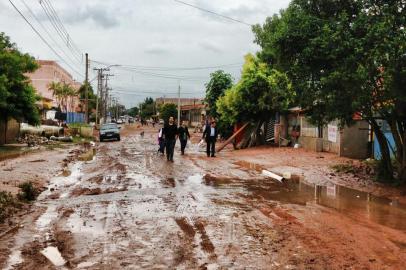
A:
(35, 167)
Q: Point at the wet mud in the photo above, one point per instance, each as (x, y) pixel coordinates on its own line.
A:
(129, 209)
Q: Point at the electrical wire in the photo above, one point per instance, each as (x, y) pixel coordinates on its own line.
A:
(61, 33)
(213, 13)
(73, 61)
(171, 68)
(63, 27)
(43, 39)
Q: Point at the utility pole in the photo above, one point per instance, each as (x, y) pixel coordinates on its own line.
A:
(87, 89)
(179, 105)
(106, 96)
(98, 95)
(99, 91)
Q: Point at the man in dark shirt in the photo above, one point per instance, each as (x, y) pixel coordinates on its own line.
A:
(210, 134)
(171, 134)
(183, 136)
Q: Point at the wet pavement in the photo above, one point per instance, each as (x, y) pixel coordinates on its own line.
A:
(130, 209)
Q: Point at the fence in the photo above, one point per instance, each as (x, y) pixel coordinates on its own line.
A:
(72, 117)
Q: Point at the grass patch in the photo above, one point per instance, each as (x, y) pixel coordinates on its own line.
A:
(28, 192)
(8, 205)
(344, 168)
(78, 125)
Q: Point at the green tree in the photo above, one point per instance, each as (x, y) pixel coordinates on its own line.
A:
(17, 95)
(167, 110)
(345, 58)
(133, 111)
(91, 96)
(215, 88)
(64, 94)
(261, 92)
(147, 108)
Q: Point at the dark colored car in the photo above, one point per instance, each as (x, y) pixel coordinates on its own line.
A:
(109, 131)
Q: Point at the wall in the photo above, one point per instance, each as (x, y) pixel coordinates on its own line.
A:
(351, 142)
(354, 142)
(51, 71)
(309, 137)
(10, 133)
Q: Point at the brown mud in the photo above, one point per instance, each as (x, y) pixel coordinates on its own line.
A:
(130, 209)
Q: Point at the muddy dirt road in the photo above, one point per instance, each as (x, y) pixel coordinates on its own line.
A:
(130, 209)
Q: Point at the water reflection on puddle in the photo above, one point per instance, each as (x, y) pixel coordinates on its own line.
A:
(348, 201)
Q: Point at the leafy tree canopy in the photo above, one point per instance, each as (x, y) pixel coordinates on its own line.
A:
(215, 88)
(167, 110)
(343, 58)
(17, 95)
(261, 92)
(147, 108)
(133, 111)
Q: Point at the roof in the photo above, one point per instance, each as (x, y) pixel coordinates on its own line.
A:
(191, 107)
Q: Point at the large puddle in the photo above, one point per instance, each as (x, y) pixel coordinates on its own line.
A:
(350, 202)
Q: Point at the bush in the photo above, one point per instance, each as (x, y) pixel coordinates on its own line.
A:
(7, 205)
(28, 192)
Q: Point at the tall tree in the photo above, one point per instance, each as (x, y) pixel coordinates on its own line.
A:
(133, 111)
(17, 95)
(261, 92)
(148, 108)
(215, 88)
(91, 96)
(167, 110)
(345, 58)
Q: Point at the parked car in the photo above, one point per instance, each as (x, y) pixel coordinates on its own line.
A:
(120, 121)
(109, 131)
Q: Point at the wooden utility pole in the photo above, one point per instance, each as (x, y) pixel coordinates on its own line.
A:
(99, 91)
(179, 105)
(231, 138)
(87, 89)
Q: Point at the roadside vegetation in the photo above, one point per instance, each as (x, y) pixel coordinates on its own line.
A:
(10, 204)
(17, 95)
(337, 60)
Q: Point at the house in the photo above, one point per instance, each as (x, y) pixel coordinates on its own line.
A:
(194, 115)
(50, 71)
(192, 110)
(348, 141)
(183, 101)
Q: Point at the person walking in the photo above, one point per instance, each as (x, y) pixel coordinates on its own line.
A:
(210, 134)
(161, 141)
(183, 136)
(170, 133)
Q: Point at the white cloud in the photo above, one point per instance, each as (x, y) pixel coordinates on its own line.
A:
(148, 33)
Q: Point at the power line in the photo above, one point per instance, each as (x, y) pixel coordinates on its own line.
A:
(166, 76)
(63, 27)
(172, 68)
(47, 32)
(61, 31)
(43, 39)
(213, 13)
(126, 91)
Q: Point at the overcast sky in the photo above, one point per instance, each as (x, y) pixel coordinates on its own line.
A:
(153, 33)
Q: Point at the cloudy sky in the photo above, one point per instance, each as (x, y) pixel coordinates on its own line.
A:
(154, 41)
